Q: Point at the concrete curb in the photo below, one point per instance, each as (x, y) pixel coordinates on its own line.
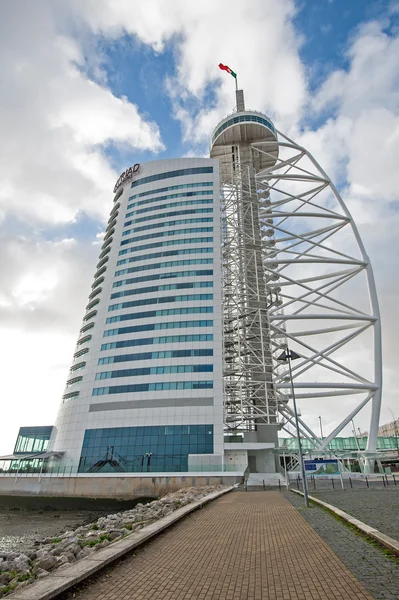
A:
(383, 539)
(65, 578)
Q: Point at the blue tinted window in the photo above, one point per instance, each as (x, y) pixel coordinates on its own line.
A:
(165, 253)
(160, 300)
(166, 265)
(152, 387)
(162, 288)
(167, 215)
(108, 360)
(185, 310)
(172, 223)
(152, 207)
(167, 233)
(178, 242)
(143, 449)
(172, 187)
(157, 326)
(166, 339)
(243, 119)
(157, 276)
(160, 370)
(177, 173)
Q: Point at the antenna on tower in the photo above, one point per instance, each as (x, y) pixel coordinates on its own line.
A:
(240, 100)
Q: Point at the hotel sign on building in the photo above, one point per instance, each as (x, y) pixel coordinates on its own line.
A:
(126, 176)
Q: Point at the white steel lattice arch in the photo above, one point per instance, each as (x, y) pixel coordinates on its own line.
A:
(327, 308)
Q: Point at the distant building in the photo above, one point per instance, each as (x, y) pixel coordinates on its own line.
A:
(389, 429)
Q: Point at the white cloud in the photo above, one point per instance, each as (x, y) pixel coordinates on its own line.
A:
(257, 40)
(54, 122)
(44, 291)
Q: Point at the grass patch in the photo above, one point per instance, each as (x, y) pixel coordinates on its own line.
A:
(91, 543)
(56, 540)
(6, 589)
(94, 527)
(102, 538)
(25, 577)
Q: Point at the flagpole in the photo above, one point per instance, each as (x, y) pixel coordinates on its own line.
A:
(236, 78)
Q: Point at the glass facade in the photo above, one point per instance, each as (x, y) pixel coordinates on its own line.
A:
(166, 339)
(147, 301)
(161, 313)
(196, 195)
(179, 242)
(155, 355)
(158, 276)
(180, 252)
(172, 213)
(165, 265)
(32, 439)
(170, 174)
(165, 370)
(168, 224)
(342, 443)
(160, 386)
(168, 205)
(243, 119)
(172, 187)
(157, 326)
(160, 288)
(165, 233)
(143, 449)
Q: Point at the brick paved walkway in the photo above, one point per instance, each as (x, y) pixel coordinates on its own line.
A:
(244, 546)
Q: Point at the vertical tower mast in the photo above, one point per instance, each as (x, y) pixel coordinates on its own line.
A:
(296, 271)
(250, 400)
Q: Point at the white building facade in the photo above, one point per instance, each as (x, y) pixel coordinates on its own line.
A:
(144, 391)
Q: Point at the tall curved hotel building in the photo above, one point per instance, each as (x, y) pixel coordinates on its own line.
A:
(172, 370)
(145, 386)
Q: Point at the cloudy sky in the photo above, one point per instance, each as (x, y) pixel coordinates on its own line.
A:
(89, 87)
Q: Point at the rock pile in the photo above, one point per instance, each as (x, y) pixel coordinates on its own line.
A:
(20, 569)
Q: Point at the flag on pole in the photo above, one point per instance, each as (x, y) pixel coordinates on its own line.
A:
(226, 68)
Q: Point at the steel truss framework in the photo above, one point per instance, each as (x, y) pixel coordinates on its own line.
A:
(296, 272)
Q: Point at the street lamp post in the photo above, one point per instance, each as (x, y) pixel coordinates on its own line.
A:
(287, 356)
(321, 429)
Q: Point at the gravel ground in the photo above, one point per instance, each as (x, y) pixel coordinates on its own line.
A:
(377, 571)
(377, 507)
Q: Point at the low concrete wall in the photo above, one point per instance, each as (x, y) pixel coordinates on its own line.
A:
(117, 488)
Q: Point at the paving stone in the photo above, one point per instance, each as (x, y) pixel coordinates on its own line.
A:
(243, 546)
(378, 573)
(378, 507)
